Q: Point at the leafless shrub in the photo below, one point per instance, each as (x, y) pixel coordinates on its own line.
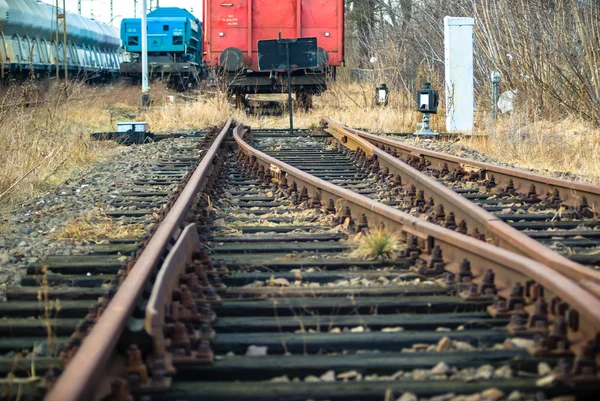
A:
(547, 50)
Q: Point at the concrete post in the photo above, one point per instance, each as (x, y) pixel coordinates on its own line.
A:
(458, 49)
(145, 85)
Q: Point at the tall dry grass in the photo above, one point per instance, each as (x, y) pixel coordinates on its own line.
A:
(45, 129)
(43, 146)
(45, 134)
(353, 104)
(200, 113)
(569, 146)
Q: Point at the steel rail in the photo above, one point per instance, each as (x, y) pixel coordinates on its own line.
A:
(166, 281)
(81, 377)
(571, 192)
(510, 268)
(496, 230)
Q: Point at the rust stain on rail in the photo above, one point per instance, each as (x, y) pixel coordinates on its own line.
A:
(500, 233)
(80, 378)
(510, 267)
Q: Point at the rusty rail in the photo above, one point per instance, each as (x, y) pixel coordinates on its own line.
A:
(79, 381)
(161, 305)
(571, 192)
(161, 297)
(497, 232)
(510, 268)
(166, 281)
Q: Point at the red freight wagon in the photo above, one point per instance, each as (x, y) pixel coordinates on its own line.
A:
(232, 29)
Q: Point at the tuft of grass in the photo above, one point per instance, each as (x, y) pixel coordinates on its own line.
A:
(93, 228)
(378, 243)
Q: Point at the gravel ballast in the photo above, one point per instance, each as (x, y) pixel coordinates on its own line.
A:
(28, 231)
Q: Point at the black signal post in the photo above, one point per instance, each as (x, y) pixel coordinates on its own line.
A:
(381, 95)
(289, 81)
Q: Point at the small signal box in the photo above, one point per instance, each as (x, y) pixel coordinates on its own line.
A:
(382, 94)
(428, 99)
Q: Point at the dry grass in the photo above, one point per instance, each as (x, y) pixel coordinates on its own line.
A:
(191, 115)
(94, 228)
(39, 144)
(353, 104)
(43, 146)
(378, 243)
(51, 311)
(566, 146)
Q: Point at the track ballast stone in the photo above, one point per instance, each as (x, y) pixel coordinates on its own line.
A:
(28, 231)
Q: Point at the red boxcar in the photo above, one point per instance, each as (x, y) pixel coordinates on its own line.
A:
(232, 29)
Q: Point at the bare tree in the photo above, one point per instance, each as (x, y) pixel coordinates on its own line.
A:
(549, 51)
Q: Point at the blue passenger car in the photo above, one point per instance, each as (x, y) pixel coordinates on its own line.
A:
(174, 47)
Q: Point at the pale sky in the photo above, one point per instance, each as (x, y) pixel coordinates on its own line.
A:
(100, 9)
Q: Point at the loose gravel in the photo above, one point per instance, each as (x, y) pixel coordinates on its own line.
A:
(28, 232)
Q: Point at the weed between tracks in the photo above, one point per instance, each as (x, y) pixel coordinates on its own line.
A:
(11, 387)
(51, 311)
(93, 228)
(378, 243)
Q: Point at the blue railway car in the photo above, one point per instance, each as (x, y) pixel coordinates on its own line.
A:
(28, 43)
(174, 47)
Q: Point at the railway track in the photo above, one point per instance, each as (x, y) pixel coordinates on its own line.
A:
(44, 319)
(258, 294)
(548, 219)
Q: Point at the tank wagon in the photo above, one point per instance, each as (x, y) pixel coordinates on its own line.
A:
(233, 29)
(174, 47)
(28, 41)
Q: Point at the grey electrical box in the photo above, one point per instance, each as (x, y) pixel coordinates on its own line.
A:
(132, 127)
